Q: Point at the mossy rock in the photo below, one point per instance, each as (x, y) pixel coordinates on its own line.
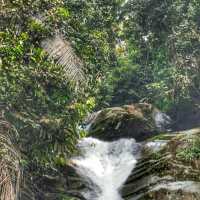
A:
(173, 172)
(139, 121)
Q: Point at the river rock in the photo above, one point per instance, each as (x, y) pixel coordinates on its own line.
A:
(171, 172)
(138, 121)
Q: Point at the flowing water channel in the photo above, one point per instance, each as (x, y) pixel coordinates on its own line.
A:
(105, 166)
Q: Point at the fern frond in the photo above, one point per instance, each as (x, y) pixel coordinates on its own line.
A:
(62, 51)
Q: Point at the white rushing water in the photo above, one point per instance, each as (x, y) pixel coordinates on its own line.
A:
(105, 166)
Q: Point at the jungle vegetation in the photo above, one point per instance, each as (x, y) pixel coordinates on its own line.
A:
(62, 59)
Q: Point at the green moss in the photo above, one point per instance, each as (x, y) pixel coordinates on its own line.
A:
(64, 197)
(162, 136)
(191, 152)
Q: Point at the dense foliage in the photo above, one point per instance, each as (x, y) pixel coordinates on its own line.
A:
(158, 55)
(46, 104)
(131, 51)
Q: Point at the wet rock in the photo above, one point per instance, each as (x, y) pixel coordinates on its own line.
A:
(139, 121)
(171, 171)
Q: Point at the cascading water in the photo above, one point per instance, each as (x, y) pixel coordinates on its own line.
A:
(105, 166)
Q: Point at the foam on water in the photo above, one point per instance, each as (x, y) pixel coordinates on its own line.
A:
(105, 166)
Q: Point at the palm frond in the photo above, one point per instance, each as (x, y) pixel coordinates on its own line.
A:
(10, 172)
(62, 51)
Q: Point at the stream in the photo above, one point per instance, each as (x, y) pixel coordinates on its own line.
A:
(105, 166)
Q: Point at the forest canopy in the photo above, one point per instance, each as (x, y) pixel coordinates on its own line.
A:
(63, 59)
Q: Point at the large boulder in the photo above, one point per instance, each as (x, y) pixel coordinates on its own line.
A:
(137, 121)
(169, 172)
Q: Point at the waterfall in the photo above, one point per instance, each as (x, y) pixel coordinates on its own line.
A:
(105, 166)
